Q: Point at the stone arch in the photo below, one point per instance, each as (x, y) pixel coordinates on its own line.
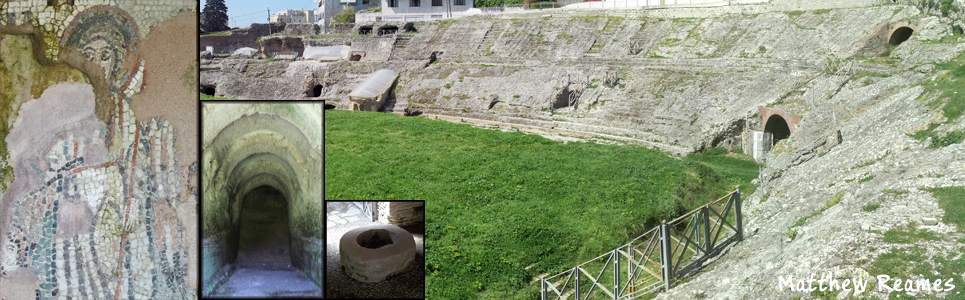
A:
(365, 30)
(388, 29)
(782, 126)
(317, 90)
(563, 98)
(900, 35)
(777, 127)
(208, 90)
(257, 152)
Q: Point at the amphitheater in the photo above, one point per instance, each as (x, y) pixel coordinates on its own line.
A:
(836, 99)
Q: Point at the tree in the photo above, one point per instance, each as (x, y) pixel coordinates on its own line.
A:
(216, 16)
(345, 16)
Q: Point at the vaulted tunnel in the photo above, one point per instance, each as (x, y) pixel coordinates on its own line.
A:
(388, 29)
(900, 36)
(777, 127)
(263, 231)
(365, 30)
(317, 90)
(261, 176)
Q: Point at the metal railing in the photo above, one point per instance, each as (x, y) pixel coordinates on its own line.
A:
(655, 259)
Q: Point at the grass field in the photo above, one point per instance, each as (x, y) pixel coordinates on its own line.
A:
(207, 97)
(505, 207)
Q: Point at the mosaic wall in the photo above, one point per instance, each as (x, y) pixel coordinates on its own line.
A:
(55, 16)
(105, 227)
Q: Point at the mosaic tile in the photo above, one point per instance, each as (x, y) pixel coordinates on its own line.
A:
(126, 255)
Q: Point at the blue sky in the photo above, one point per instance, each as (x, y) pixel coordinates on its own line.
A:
(242, 13)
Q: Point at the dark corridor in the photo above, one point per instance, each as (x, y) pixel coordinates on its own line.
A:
(263, 267)
(263, 233)
(900, 36)
(777, 126)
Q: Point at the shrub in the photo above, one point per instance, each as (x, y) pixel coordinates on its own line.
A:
(345, 16)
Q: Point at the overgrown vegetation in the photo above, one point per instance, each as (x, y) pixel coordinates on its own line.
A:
(947, 92)
(913, 261)
(347, 15)
(871, 207)
(835, 199)
(503, 208)
(952, 201)
(543, 5)
(496, 3)
(909, 235)
(207, 97)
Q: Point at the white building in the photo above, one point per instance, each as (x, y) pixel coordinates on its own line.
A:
(292, 16)
(419, 10)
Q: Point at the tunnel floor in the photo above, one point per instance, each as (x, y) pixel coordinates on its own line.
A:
(263, 268)
(253, 282)
(410, 283)
(264, 230)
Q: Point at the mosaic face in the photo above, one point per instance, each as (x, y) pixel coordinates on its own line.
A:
(104, 37)
(105, 55)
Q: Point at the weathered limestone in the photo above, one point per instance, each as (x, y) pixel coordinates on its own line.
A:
(371, 253)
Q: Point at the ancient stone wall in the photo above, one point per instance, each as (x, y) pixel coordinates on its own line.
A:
(238, 38)
(402, 213)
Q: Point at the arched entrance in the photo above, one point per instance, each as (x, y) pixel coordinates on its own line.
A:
(261, 230)
(777, 127)
(317, 90)
(388, 29)
(365, 30)
(900, 35)
(264, 234)
(208, 90)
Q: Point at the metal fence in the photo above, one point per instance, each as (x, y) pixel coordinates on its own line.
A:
(655, 259)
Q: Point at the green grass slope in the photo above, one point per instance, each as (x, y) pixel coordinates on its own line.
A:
(505, 207)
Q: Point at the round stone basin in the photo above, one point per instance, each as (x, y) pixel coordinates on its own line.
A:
(371, 253)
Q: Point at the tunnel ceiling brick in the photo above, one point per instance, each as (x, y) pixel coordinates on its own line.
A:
(766, 113)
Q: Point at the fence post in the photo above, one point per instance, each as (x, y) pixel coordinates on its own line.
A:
(616, 273)
(705, 218)
(577, 281)
(740, 218)
(630, 268)
(542, 279)
(666, 258)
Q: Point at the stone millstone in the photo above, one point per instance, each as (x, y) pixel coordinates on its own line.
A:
(372, 253)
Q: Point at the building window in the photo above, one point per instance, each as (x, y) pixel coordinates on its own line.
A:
(414, 3)
(436, 2)
(393, 3)
(459, 2)
(365, 2)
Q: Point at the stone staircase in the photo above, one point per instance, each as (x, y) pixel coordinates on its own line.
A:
(606, 36)
(489, 40)
(401, 41)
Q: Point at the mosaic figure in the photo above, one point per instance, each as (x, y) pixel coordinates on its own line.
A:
(121, 237)
(105, 38)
